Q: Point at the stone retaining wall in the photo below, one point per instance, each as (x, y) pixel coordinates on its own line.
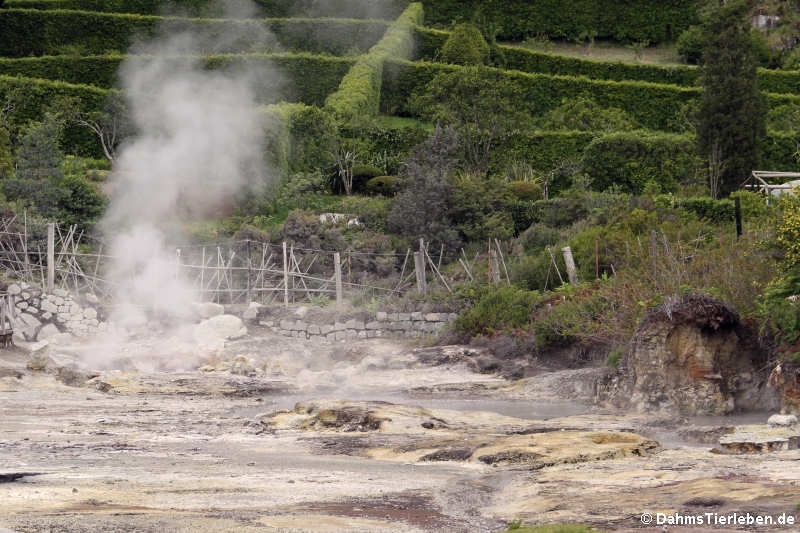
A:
(411, 325)
(41, 315)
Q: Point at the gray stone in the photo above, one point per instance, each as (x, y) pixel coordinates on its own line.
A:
(22, 305)
(393, 317)
(60, 292)
(93, 322)
(453, 316)
(30, 320)
(339, 326)
(49, 307)
(31, 347)
(92, 299)
(251, 313)
(90, 313)
(351, 334)
(14, 289)
(313, 329)
(403, 317)
(326, 329)
(47, 315)
(373, 325)
(782, 420)
(301, 312)
(371, 334)
(380, 316)
(301, 326)
(208, 309)
(406, 325)
(362, 334)
(75, 309)
(286, 324)
(339, 335)
(25, 295)
(432, 317)
(49, 330)
(416, 316)
(62, 317)
(214, 331)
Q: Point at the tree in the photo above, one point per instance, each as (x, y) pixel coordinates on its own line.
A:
(731, 118)
(421, 209)
(39, 155)
(111, 125)
(584, 114)
(479, 104)
(465, 46)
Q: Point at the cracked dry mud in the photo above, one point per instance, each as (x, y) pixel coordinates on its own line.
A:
(366, 438)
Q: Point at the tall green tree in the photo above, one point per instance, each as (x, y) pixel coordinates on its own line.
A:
(731, 118)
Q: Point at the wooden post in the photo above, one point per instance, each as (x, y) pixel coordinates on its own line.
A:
(570, 262)
(337, 265)
(202, 275)
(738, 206)
(177, 263)
(249, 290)
(419, 267)
(51, 256)
(494, 265)
(28, 275)
(285, 277)
(596, 259)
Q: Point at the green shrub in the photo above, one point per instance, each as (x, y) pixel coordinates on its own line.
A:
(753, 204)
(360, 90)
(784, 118)
(465, 46)
(310, 78)
(362, 174)
(614, 358)
(623, 20)
(498, 309)
(384, 185)
(538, 236)
(651, 105)
(690, 45)
(525, 191)
(628, 161)
(583, 114)
(372, 212)
(31, 32)
(716, 211)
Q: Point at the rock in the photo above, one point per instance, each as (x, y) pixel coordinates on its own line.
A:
(380, 316)
(14, 289)
(251, 313)
(373, 325)
(214, 331)
(326, 329)
(432, 317)
(417, 316)
(31, 347)
(301, 312)
(782, 420)
(57, 300)
(92, 299)
(29, 320)
(49, 307)
(686, 357)
(208, 309)
(49, 330)
(22, 306)
(313, 329)
(25, 295)
(90, 313)
(61, 293)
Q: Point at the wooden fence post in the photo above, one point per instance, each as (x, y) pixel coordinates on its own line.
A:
(570, 262)
(337, 265)
(419, 268)
(285, 277)
(249, 290)
(51, 256)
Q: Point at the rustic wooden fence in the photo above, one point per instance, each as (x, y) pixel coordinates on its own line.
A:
(235, 271)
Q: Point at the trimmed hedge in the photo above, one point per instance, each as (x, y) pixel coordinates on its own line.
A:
(308, 78)
(38, 94)
(430, 41)
(622, 20)
(29, 32)
(652, 105)
(359, 93)
(374, 9)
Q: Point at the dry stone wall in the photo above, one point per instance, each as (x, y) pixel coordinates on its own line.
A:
(411, 325)
(40, 316)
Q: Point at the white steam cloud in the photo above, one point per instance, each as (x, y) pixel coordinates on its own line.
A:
(199, 146)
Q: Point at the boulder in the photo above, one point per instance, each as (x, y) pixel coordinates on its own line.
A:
(48, 331)
(14, 289)
(29, 320)
(208, 309)
(90, 313)
(782, 420)
(251, 313)
(690, 357)
(214, 331)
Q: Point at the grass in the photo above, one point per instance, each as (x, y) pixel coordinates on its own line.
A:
(664, 54)
(563, 528)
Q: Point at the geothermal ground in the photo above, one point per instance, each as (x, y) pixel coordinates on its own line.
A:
(279, 434)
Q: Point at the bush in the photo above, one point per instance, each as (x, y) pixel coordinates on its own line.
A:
(373, 213)
(525, 191)
(465, 46)
(784, 118)
(311, 78)
(384, 185)
(362, 174)
(498, 309)
(622, 20)
(30, 32)
(628, 161)
(716, 211)
(583, 114)
(651, 105)
(360, 89)
(690, 45)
